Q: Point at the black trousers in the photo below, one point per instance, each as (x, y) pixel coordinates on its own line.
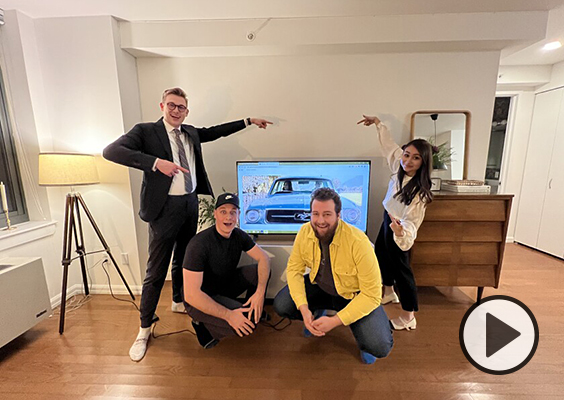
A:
(169, 235)
(245, 279)
(395, 266)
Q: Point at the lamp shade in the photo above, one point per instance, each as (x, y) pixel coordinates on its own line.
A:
(67, 169)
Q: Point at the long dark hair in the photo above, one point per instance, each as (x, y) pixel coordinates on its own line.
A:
(421, 182)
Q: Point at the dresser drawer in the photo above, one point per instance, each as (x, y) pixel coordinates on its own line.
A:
(455, 275)
(466, 210)
(467, 231)
(456, 253)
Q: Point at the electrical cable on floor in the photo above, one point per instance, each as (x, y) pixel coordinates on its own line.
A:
(112, 292)
(169, 333)
(275, 326)
(73, 303)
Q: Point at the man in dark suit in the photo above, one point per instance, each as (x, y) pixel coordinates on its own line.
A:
(170, 156)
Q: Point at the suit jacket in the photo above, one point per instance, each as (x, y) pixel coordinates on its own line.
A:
(145, 142)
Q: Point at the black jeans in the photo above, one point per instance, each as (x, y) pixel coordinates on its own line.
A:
(394, 266)
(246, 279)
(169, 235)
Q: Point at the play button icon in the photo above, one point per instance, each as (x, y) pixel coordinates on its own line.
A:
(499, 335)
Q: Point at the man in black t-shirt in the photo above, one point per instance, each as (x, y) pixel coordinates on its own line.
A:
(212, 281)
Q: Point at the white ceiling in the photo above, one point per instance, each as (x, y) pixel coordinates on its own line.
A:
(184, 10)
(151, 10)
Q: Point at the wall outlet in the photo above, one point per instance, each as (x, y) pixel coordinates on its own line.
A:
(125, 258)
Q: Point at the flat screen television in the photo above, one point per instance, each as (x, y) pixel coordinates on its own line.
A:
(275, 195)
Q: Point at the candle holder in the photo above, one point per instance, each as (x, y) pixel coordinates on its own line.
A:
(9, 226)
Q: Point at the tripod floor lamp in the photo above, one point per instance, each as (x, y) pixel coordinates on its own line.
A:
(69, 169)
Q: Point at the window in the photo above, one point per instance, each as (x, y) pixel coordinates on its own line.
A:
(9, 171)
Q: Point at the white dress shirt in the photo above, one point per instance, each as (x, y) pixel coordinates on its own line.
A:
(177, 187)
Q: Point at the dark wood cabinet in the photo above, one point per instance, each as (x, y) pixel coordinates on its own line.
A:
(461, 240)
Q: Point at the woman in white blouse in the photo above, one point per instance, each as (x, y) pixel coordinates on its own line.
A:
(409, 192)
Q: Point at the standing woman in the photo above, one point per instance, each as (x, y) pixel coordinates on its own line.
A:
(409, 192)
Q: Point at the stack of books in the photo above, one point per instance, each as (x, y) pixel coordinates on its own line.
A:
(465, 186)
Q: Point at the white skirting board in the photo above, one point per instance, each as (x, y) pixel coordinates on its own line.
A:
(78, 289)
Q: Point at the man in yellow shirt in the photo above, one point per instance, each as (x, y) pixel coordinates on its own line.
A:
(344, 277)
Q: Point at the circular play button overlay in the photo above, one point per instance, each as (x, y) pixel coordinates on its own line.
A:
(499, 335)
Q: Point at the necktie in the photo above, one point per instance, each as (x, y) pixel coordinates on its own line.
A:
(183, 161)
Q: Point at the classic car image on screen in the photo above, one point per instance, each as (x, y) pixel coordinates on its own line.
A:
(275, 196)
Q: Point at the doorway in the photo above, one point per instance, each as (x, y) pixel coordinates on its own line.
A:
(497, 142)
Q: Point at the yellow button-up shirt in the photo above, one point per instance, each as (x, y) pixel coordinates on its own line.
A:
(353, 264)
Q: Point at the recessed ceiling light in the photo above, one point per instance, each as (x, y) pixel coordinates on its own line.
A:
(552, 45)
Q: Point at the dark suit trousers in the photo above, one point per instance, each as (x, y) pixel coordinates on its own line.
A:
(169, 235)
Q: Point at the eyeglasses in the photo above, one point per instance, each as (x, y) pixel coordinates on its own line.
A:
(172, 106)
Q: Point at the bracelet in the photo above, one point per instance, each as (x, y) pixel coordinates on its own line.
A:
(248, 120)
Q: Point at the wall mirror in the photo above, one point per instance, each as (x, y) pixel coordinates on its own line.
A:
(449, 130)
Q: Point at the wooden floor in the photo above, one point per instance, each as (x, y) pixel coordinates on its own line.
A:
(90, 361)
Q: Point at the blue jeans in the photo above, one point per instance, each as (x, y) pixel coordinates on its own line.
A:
(373, 333)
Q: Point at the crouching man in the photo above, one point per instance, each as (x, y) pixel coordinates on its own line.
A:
(344, 277)
(212, 281)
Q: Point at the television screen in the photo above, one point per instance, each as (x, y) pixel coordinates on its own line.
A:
(275, 195)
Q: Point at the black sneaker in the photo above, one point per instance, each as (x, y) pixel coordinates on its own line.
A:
(204, 336)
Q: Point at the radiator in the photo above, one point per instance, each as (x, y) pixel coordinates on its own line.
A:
(24, 298)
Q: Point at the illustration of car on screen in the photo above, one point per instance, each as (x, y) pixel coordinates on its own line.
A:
(288, 199)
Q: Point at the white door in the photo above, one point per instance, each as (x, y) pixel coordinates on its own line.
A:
(551, 233)
(537, 165)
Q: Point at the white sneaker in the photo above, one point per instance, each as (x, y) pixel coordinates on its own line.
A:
(139, 348)
(400, 324)
(390, 298)
(178, 308)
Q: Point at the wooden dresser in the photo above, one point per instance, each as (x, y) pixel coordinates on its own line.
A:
(461, 240)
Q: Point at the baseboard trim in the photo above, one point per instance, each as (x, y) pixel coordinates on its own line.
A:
(73, 290)
(95, 289)
(118, 289)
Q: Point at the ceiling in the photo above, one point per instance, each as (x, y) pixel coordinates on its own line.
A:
(525, 53)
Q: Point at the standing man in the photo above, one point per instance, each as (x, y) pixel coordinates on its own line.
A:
(344, 277)
(170, 156)
(212, 281)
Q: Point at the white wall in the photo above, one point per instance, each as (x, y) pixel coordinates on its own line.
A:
(315, 102)
(74, 91)
(556, 78)
(86, 111)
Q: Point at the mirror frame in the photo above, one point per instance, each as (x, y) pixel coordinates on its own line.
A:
(466, 113)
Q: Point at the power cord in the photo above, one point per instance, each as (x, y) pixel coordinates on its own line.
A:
(112, 292)
(275, 326)
(74, 303)
(169, 333)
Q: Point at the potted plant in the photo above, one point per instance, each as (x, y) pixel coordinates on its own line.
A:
(442, 155)
(206, 207)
